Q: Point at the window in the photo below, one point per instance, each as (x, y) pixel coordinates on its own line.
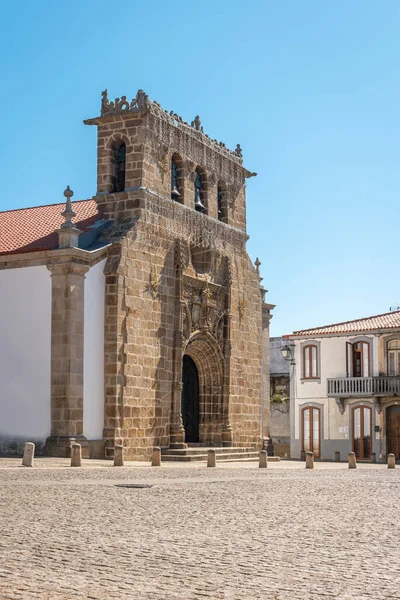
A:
(310, 362)
(358, 359)
(393, 354)
(200, 191)
(120, 168)
(362, 432)
(219, 196)
(222, 204)
(311, 430)
(176, 178)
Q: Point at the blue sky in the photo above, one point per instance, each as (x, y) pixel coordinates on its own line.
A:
(309, 89)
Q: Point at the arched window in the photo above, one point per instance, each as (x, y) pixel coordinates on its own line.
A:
(120, 168)
(177, 178)
(222, 202)
(200, 202)
(310, 362)
(393, 354)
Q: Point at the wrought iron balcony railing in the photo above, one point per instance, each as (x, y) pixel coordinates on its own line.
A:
(345, 387)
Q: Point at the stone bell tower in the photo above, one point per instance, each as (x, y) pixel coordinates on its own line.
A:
(184, 311)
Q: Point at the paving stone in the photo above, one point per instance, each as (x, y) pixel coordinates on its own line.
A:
(232, 533)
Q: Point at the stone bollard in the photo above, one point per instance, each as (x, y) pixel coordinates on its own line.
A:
(68, 448)
(29, 453)
(156, 457)
(391, 459)
(373, 457)
(309, 460)
(262, 462)
(76, 455)
(337, 456)
(351, 457)
(211, 459)
(118, 456)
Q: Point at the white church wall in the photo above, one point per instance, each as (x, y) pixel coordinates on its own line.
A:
(93, 371)
(25, 354)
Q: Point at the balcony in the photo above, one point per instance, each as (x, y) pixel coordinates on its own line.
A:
(347, 387)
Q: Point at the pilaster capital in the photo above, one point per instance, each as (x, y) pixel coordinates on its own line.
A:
(68, 268)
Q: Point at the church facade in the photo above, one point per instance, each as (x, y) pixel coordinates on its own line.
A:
(136, 317)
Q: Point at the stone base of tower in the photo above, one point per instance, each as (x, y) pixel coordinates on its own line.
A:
(60, 445)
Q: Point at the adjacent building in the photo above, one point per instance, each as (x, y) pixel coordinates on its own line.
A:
(345, 388)
(280, 398)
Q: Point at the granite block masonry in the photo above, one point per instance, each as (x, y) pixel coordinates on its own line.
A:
(185, 325)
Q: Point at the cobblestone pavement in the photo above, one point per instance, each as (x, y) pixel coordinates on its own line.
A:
(234, 532)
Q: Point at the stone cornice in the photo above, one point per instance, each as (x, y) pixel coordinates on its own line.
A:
(52, 257)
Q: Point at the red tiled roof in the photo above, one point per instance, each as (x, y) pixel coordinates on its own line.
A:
(31, 229)
(384, 321)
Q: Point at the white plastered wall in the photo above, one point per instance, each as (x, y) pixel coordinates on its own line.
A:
(332, 364)
(93, 372)
(25, 353)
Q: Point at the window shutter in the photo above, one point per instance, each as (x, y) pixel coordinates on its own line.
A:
(349, 359)
(366, 359)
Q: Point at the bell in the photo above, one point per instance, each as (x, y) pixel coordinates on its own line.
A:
(197, 201)
(174, 193)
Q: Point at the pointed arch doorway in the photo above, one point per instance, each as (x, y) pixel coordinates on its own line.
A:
(190, 403)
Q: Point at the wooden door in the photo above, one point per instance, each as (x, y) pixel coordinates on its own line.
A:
(362, 432)
(393, 430)
(311, 430)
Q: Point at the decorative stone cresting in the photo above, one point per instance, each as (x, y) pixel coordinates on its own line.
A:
(142, 103)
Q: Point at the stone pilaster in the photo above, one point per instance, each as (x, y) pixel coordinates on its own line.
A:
(67, 327)
(177, 431)
(226, 426)
(265, 372)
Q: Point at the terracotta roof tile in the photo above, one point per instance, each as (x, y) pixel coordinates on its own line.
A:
(31, 229)
(384, 321)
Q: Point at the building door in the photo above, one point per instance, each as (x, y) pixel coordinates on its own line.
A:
(190, 400)
(311, 431)
(393, 430)
(362, 432)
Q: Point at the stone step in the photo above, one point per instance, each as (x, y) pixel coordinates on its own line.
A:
(203, 456)
(223, 457)
(203, 450)
(269, 459)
